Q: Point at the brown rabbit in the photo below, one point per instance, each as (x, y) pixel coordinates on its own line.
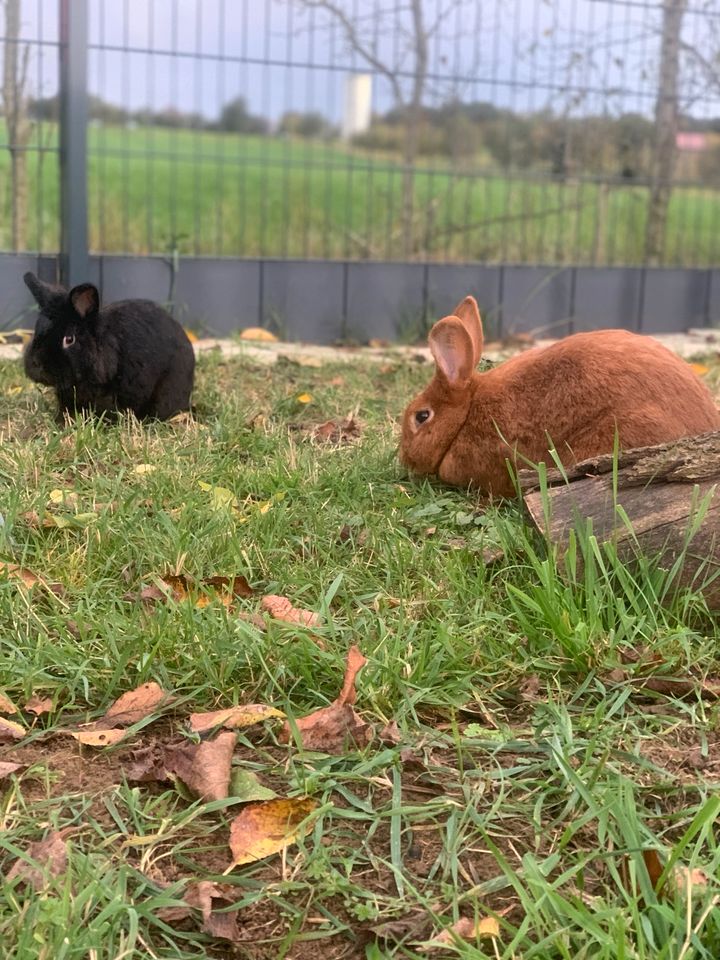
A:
(574, 395)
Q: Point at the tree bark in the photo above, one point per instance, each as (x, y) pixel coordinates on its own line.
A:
(19, 127)
(412, 126)
(669, 493)
(666, 123)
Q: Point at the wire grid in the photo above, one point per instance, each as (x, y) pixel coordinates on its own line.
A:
(534, 136)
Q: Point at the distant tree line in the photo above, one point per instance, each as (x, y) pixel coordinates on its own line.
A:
(235, 117)
(619, 146)
(605, 145)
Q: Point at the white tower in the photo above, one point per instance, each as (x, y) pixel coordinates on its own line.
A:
(358, 104)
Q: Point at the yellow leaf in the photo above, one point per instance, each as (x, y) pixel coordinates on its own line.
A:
(221, 496)
(144, 468)
(258, 333)
(700, 369)
(192, 337)
(57, 496)
(304, 398)
(13, 391)
(96, 738)
(465, 929)
(6, 705)
(265, 828)
(233, 717)
(9, 730)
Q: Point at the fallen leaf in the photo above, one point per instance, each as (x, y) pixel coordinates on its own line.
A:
(95, 738)
(49, 856)
(331, 728)
(304, 398)
(204, 767)
(7, 706)
(245, 786)
(7, 768)
(337, 382)
(258, 333)
(530, 688)
(337, 431)
(233, 717)
(39, 705)
(466, 929)
(679, 687)
(700, 369)
(201, 896)
(133, 706)
(690, 881)
(179, 587)
(29, 579)
(10, 731)
(281, 609)
(266, 828)
(411, 926)
(67, 498)
(390, 733)
(192, 337)
(142, 469)
(222, 498)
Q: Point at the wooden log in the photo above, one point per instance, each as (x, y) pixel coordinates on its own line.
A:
(662, 492)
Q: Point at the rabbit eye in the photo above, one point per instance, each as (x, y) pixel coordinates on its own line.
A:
(68, 340)
(422, 416)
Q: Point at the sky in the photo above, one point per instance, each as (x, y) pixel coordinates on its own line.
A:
(571, 56)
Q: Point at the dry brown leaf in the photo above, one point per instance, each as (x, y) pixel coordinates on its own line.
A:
(281, 609)
(258, 333)
(179, 587)
(265, 828)
(7, 706)
(233, 717)
(133, 706)
(530, 688)
(204, 767)
(39, 705)
(390, 733)
(201, 896)
(689, 881)
(95, 738)
(332, 728)
(466, 929)
(50, 856)
(337, 382)
(29, 579)
(337, 431)
(678, 687)
(9, 731)
(7, 768)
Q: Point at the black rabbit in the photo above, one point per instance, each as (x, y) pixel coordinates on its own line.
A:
(130, 355)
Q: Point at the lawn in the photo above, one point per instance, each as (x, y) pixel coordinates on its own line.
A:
(519, 774)
(153, 190)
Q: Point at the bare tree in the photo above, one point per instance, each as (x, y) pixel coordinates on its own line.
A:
(406, 72)
(17, 120)
(666, 126)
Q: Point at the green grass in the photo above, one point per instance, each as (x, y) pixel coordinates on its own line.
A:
(227, 195)
(529, 779)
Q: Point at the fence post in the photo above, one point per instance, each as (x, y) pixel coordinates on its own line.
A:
(73, 141)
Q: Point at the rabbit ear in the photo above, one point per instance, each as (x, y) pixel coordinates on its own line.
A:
(452, 347)
(42, 292)
(467, 311)
(85, 300)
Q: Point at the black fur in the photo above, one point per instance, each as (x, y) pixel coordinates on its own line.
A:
(130, 355)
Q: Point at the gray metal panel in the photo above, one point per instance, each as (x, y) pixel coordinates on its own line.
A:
(218, 297)
(17, 307)
(304, 300)
(448, 283)
(386, 301)
(714, 299)
(606, 297)
(674, 300)
(537, 300)
(125, 278)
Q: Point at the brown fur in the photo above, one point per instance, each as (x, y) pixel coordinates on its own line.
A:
(576, 393)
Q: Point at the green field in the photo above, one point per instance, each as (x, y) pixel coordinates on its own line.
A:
(534, 780)
(151, 190)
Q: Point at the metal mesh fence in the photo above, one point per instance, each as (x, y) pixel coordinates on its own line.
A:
(531, 131)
